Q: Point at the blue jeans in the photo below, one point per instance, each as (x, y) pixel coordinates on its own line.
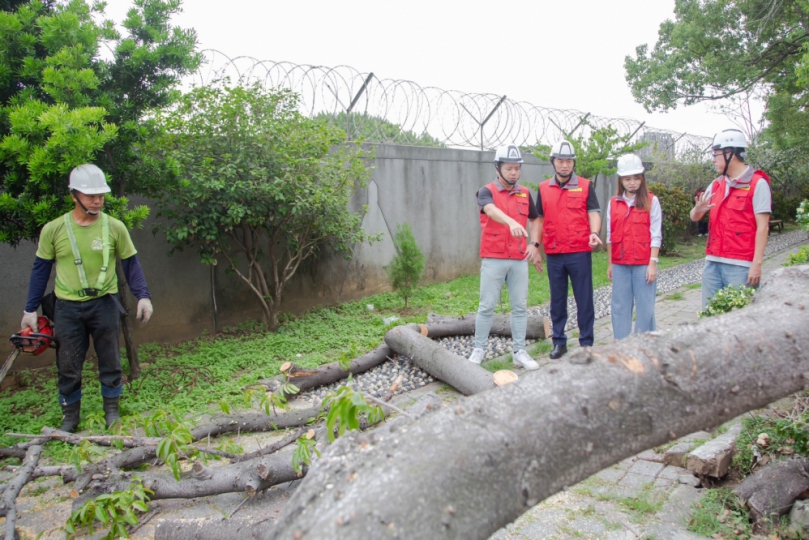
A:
(493, 272)
(716, 276)
(629, 287)
(579, 268)
(75, 323)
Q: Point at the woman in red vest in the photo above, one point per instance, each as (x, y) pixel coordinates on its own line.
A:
(634, 237)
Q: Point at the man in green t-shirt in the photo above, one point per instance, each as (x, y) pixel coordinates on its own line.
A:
(84, 244)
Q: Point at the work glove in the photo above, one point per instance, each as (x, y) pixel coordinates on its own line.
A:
(29, 320)
(144, 310)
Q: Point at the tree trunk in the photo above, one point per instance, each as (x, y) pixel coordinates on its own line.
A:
(327, 373)
(441, 326)
(494, 455)
(770, 491)
(188, 529)
(9, 505)
(457, 371)
(126, 324)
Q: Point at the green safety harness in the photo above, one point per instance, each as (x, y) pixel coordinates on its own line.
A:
(100, 289)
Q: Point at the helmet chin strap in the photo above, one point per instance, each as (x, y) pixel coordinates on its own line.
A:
(727, 161)
(560, 175)
(503, 178)
(86, 211)
(631, 192)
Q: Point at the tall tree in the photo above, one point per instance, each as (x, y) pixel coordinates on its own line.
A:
(258, 183)
(63, 104)
(716, 49)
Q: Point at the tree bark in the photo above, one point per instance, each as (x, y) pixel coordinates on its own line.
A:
(126, 324)
(217, 425)
(412, 341)
(770, 491)
(441, 326)
(187, 529)
(9, 505)
(328, 373)
(494, 455)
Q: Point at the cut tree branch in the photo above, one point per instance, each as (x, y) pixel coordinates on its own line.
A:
(507, 449)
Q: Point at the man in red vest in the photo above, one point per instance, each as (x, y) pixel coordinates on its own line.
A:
(740, 203)
(506, 208)
(569, 223)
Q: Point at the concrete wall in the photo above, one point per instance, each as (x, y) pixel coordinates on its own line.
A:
(432, 189)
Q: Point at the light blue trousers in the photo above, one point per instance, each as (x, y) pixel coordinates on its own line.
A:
(493, 272)
(629, 288)
(717, 275)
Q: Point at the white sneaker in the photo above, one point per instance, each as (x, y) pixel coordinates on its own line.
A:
(477, 356)
(522, 359)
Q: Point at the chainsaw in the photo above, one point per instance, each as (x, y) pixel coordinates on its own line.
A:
(30, 342)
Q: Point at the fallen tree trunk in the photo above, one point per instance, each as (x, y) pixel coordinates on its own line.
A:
(327, 373)
(443, 326)
(412, 341)
(9, 504)
(494, 455)
(188, 529)
(770, 491)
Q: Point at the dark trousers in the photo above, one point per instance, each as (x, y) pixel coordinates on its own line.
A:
(579, 268)
(75, 323)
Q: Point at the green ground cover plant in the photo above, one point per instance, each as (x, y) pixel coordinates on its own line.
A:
(194, 376)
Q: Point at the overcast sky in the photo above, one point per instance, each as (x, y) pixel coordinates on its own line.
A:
(562, 54)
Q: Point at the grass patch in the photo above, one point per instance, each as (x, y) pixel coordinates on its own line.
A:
(686, 252)
(720, 512)
(674, 296)
(193, 376)
(693, 286)
(787, 437)
(642, 506)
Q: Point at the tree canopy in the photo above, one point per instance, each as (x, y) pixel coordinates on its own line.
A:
(717, 49)
(63, 104)
(257, 180)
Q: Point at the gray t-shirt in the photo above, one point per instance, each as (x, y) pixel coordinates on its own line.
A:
(762, 204)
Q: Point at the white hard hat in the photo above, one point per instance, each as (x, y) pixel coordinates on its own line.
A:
(509, 153)
(88, 179)
(729, 138)
(630, 164)
(563, 150)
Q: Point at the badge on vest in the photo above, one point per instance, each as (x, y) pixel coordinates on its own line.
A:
(574, 189)
(521, 194)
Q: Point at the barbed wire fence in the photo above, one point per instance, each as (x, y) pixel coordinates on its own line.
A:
(403, 112)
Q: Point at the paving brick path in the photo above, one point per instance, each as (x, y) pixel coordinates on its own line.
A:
(639, 498)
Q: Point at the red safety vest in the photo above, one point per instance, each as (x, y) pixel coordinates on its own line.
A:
(566, 227)
(630, 233)
(496, 241)
(732, 227)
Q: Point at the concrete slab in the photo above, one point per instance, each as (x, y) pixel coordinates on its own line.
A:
(646, 468)
(714, 457)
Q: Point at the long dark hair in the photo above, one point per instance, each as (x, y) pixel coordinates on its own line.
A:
(642, 199)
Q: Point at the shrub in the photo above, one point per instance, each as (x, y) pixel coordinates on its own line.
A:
(801, 257)
(406, 268)
(728, 299)
(676, 206)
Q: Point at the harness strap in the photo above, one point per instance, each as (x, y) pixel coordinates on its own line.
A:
(99, 289)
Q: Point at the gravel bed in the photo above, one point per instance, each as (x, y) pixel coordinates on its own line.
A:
(376, 381)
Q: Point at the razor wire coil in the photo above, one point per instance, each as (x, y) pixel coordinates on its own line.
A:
(426, 115)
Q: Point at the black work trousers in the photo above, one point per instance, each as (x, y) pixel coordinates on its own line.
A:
(75, 323)
(578, 267)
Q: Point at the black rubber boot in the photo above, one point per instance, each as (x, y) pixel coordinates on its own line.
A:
(111, 414)
(71, 415)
